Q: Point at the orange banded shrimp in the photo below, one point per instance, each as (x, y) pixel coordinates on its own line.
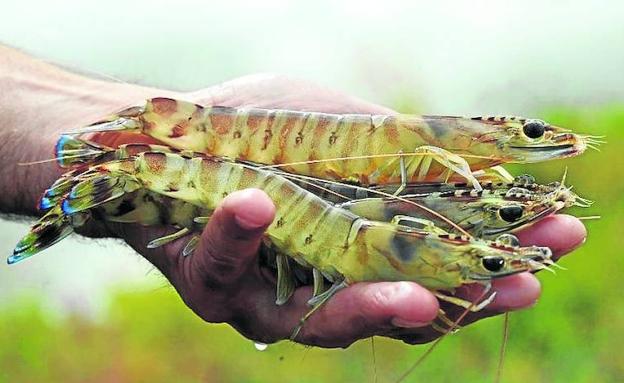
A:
(367, 149)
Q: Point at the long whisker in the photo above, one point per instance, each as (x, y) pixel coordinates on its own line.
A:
(501, 354)
(594, 141)
(563, 178)
(54, 159)
(555, 265)
(582, 204)
(378, 192)
(597, 139)
(368, 156)
(541, 266)
(36, 162)
(437, 342)
(589, 217)
(593, 147)
(374, 359)
(316, 185)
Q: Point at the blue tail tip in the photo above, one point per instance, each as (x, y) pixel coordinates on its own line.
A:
(67, 209)
(60, 144)
(45, 203)
(60, 147)
(14, 259)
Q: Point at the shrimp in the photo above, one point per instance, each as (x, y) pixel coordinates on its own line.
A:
(341, 246)
(367, 149)
(498, 208)
(524, 185)
(484, 215)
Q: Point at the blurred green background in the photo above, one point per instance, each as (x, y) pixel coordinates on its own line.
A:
(92, 311)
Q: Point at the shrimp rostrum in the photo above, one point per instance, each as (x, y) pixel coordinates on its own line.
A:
(340, 246)
(367, 149)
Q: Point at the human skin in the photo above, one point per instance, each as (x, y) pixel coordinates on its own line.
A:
(222, 281)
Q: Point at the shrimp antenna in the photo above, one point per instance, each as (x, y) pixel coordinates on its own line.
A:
(589, 217)
(315, 185)
(378, 192)
(503, 348)
(39, 162)
(454, 325)
(565, 175)
(47, 160)
(363, 157)
(372, 342)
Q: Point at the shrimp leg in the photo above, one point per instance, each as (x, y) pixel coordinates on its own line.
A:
(285, 281)
(190, 246)
(419, 163)
(452, 326)
(471, 306)
(317, 302)
(161, 241)
(494, 174)
(319, 283)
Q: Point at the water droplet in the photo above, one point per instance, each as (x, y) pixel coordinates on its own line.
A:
(260, 346)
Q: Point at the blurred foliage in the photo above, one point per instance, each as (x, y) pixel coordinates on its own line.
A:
(574, 334)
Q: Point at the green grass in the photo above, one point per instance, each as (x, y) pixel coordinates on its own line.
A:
(574, 334)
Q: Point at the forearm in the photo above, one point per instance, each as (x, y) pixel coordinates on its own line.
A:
(37, 102)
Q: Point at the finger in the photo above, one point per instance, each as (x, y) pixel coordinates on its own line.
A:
(562, 233)
(232, 237)
(360, 311)
(514, 292)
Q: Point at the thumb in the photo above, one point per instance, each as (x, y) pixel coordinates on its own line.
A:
(231, 239)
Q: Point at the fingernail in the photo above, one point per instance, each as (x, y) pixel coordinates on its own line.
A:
(398, 322)
(246, 223)
(251, 216)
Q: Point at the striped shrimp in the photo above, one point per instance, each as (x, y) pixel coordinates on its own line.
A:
(336, 244)
(498, 208)
(525, 184)
(379, 148)
(485, 215)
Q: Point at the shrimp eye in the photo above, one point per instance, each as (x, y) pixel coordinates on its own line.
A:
(493, 263)
(533, 128)
(510, 213)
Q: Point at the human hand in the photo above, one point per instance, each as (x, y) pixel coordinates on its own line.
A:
(223, 282)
